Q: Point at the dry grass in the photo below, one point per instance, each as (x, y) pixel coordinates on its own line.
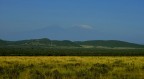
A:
(71, 67)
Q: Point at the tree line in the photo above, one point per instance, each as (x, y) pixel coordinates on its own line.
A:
(49, 51)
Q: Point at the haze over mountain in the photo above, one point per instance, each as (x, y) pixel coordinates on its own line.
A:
(55, 32)
(81, 32)
(72, 20)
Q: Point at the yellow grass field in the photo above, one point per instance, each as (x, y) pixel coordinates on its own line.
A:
(71, 67)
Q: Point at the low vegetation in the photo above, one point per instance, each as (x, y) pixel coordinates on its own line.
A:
(66, 51)
(71, 67)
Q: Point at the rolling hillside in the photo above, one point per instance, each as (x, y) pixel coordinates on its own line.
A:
(109, 43)
(68, 43)
(40, 42)
(2, 42)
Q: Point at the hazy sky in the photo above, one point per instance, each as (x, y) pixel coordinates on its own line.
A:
(104, 19)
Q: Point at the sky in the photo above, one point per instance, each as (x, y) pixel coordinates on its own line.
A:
(72, 19)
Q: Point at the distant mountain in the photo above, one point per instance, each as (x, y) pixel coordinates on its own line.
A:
(68, 43)
(108, 43)
(60, 33)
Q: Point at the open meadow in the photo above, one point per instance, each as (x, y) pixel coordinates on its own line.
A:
(71, 67)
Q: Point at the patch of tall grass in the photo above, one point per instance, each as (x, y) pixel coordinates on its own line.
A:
(71, 67)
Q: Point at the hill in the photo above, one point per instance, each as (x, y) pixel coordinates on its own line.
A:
(47, 47)
(108, 43)
(2, 42)
(40, 42)
(43, 41)
(67, 43)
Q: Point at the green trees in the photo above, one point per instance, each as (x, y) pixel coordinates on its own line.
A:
(48, 51)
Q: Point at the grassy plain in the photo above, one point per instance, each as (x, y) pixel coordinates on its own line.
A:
(71, 67)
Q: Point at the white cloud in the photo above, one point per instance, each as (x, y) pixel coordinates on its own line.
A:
(86, 26)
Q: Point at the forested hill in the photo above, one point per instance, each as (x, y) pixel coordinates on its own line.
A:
(68, 43)
(39, 42)
(108, 43)
(2, 42)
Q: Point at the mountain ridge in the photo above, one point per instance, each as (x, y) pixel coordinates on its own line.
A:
(68, 43)
(109, 43)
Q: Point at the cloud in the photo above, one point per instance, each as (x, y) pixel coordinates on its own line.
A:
(86, 26)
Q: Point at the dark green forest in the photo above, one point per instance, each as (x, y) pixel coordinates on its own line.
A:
(43, 51)
(47, 47)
